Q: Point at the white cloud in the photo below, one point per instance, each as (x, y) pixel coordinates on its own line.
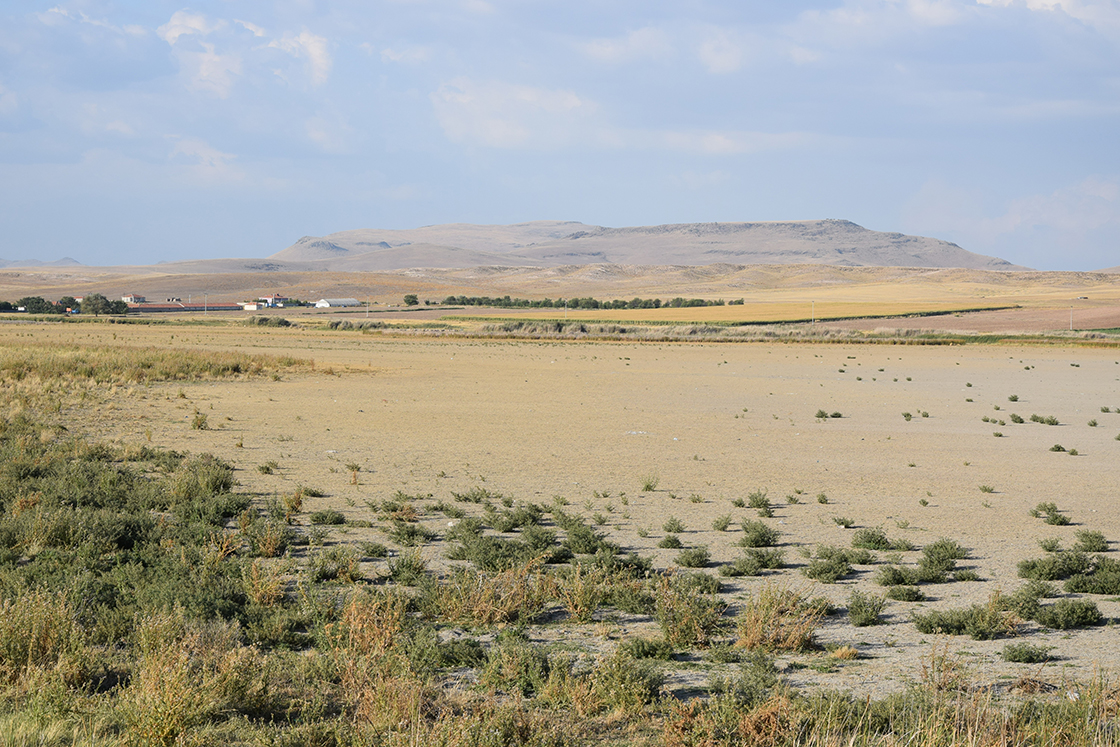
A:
(212, 72)
(407, 55)
(1073, 227)
(640, 44)
(8, 101)
(503, 115)
(203, 161)
(1101, 14)
(183, 23)
(254, 28)
(310, 47)
(58, 14)
(720, 54)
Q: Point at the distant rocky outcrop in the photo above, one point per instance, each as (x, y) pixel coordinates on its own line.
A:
(556, 243)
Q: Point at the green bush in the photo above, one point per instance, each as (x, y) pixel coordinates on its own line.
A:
(871, 539)
(893, 575)
(1056, 566)
(327, 516)
(673, 525)
(645, 648)
(981, 622)
(696, 557)
(758, 499)
(515, 666)
(865, 609)
(1090, 541)
(758, 534)
(408, 534)
(905, 594)
(1069, 613)
(670, 542)
(827, 571)
(1103, 577)
(1025, 653)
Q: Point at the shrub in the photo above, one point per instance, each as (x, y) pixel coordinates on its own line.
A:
(981, 622)
(649, 483)
(516, 595)
(1059, 565)
(1060, 520)
(407, 534)
(822, 498)
(409, 568)
(327, 516)
(334, 564)
(515, 666)
(821, 415)
(1025, 653)
(987, 489)
(758, 499)
(721, 523)
(827, 571)
(1102, 578)
(673, 524)
(696, 557)
(905, 594)
(645, 648)
(1057, 447)
(687, 615)
(758, 534)
(670, 542)
(1050, 544)
(895, 576)
(778, 618)
(865, 609)
(1069, 613)
(871, 539)
(843, 521)
(1090, 541)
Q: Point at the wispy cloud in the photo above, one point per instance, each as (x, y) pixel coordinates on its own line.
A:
(185, 23)
(310, 47)
(644, 43)
(504, 115)
(720, 53)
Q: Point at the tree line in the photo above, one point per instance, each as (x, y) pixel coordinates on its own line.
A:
(505, 302)
(95, 304)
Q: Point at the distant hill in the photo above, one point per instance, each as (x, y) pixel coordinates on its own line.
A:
(64, 262)
(557, 243)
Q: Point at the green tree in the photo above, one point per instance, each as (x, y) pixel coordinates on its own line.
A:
(411, 299)
(36, 305)
(67, 302)
(96, 304)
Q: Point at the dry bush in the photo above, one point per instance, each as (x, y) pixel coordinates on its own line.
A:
(264, 584)
(581, 591)
(688, 616)
(39, 634)
(515, 595)
(719, 723)
(778, 618)
(187, 674)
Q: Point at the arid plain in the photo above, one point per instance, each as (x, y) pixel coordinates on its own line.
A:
(594, 423)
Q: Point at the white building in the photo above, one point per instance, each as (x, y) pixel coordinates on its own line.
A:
(332, 303)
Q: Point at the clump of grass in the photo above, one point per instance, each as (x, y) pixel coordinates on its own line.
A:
(843, 521)
(987, 489)
(822, 498)
(670, 542)
(721, 523)
(758, 499)
(649, 482)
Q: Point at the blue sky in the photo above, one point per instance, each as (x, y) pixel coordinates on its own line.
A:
(143, 131)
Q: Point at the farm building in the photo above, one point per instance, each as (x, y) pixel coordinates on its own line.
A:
(332, 303)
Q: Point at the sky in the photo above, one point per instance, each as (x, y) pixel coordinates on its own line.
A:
(140, 131)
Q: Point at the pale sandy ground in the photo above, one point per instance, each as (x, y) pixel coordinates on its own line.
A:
(536, 420)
